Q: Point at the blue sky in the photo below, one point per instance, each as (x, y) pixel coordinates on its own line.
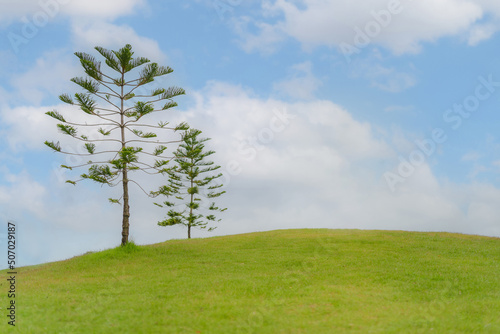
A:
(324, 114)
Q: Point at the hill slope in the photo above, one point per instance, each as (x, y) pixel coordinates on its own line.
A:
(289, 281)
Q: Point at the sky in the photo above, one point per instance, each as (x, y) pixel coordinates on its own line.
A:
(379, 114)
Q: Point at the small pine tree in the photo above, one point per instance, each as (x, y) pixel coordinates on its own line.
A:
(185, 181)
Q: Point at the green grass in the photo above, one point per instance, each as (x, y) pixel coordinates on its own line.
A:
(288, 281)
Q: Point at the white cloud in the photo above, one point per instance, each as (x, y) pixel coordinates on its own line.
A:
(22, 193)
(301, 84)
(109, 9)
(477, 170)
(15, 10)
(266, 41)
(471, 156)
(90, 23)
(26, 127)
(388, 79)
(111, 36)
(401, 28)
(323, 164)
(481, 32)
(49, 77)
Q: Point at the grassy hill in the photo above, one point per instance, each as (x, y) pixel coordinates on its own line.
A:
(288, 281)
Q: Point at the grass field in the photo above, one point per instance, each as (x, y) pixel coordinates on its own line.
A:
(287, 281)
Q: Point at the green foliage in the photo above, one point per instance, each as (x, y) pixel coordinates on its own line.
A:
(56, 147)
(103, 132)
(100, 174)
(56, 115)
(141, 134)
(158, 91)
(67, 129)
(111, 60)
(162, 124)
(129, 247)
(66, 99)
(90, 148)
(89, 85)
(129, 96)
(151, 71)
(136, 62)
(159, 150)
(172, 92)
(112, 200)
(86, 103)
(191, 174)
(160, 163)
(182, 127)
(169, 104)
(124, 56)
(140, 109)
(129, 154)
(90, 65)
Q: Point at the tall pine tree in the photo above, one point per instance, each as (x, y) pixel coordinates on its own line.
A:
(115, 113)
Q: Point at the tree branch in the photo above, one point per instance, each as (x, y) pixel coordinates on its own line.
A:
(140, 187)
(152, 142)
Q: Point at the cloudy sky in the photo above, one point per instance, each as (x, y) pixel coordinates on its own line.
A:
(379, 114)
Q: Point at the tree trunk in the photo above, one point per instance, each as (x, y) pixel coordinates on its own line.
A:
(126, 208)
(190, 211)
